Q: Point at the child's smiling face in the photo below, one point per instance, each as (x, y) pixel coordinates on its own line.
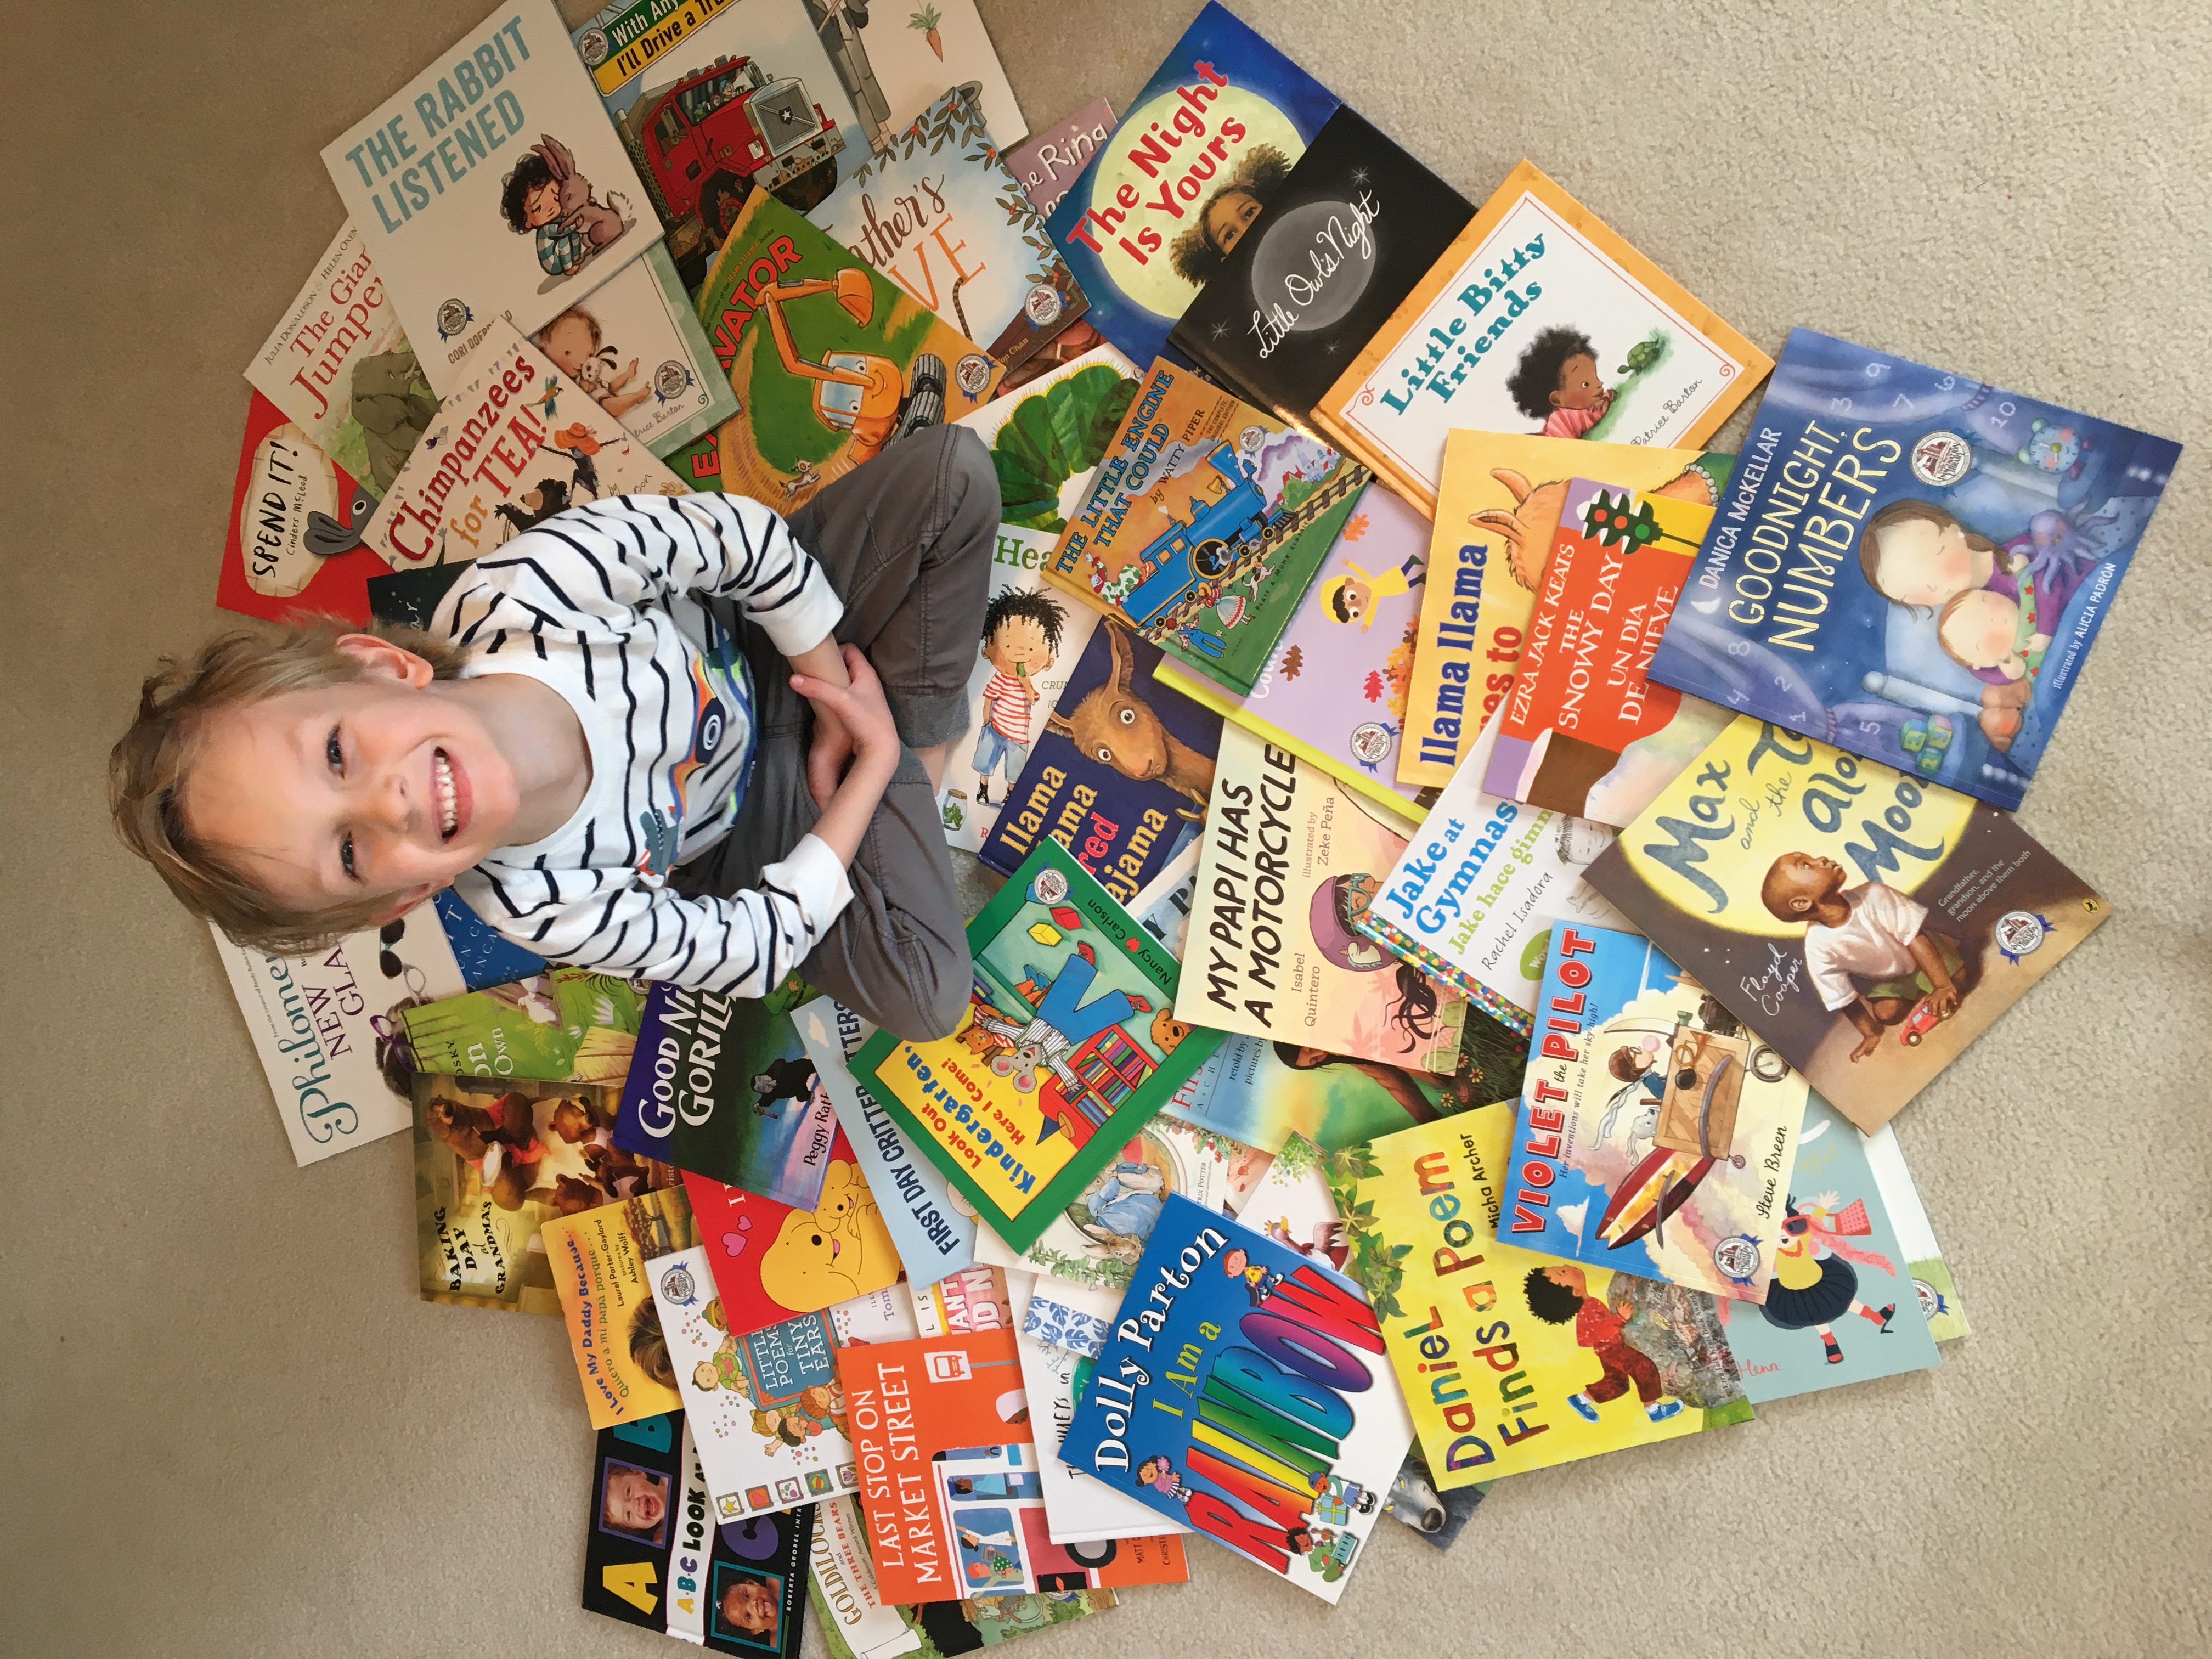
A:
(541, 206)
(1981, 627)
(1579, 385)
(1920, 563)
(1017, 647)
(636, 1501)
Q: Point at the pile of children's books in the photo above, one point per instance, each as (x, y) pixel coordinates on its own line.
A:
(1481, 869)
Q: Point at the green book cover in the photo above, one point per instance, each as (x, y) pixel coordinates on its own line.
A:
(564, 1025)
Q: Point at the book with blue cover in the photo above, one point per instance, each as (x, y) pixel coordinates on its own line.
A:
(1912, 565)
(1204, 147)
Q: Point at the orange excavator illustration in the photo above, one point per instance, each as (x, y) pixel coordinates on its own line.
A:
(856, 392)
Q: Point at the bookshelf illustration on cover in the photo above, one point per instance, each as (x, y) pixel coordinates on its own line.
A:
(1067, 1048)
(1201, 149)
(1538, 318)
(1656, 1136)
(1912, 565)
(1866, 924)
(1244, 1394)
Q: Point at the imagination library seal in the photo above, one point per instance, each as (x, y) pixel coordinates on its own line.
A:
(1370, 742)
(1737, 1257)
(1941, 458)
(453, 316)
(2018, 932)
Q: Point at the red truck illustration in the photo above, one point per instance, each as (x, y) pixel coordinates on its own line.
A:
(705, 143)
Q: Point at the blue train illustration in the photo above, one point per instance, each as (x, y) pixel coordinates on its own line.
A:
(1206, 550)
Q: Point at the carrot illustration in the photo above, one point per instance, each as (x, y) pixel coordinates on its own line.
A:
(926, 21)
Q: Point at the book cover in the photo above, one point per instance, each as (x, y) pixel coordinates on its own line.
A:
(490, 187)
(1097, 1238)
(772, 1263)
(1205, 525)
(1494, 535)
(486, 959)
(323, 1027)
(718, 101)
(1200, 151)
(950, 1486)
(293, 540)
(1656, 1136)
(763, 1406)
(635, 347)
(1120, 775)
(723, 1087)
(975, 1299)
(1066, 1048)
(1077, 1508)
(1475, 896)
(1866, 924)
(1046, 164)
(495, 1158)
(1513, 1361)
(1438, 1516)
(1537, 318)
(1583, 731)
(1843, 1307)
(1048, 438)
(341, 369)
(1346, 236)
(829, 358)
(1912, 565)
(940, 214)
(930, 1234)
(1291, 860)
(1072, 1316)
(1354, 631)
(563, 1025)
(654, 1556)
(856, 1623)
(1244, 1394)
(1924, 1256)
(515, 443)
(602, 1259)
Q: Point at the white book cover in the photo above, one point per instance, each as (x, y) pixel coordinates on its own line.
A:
(635, 346)
(1924, 1256)
(1472, 901)
(315, 1023)
(844, 1584)
(883, 1315)
(764, 1409)
(491, 186)
(1077, 1508)
(517, 443)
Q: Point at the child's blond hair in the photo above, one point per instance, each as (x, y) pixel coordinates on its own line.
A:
(146, 767)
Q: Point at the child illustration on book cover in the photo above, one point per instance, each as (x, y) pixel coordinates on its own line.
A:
(577, 346)
(1814, 1283)
(545, 198)
(1022, 631)
(1558, 1295)
(1867, 955)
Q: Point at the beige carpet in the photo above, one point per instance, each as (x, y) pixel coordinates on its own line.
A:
(232, 1429)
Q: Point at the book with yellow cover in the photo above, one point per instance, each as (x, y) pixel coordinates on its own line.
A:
(1512, 1361)
(1540, 318)
(1497, 509)
(599, 1261)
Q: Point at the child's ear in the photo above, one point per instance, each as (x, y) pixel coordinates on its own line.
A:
(385, 660)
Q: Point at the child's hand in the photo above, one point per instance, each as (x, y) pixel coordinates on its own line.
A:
(850, 721)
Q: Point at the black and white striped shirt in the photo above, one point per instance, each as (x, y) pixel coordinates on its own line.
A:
(602, 604)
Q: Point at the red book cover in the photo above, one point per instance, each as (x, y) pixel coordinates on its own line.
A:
(949, 1517)
(291, 543)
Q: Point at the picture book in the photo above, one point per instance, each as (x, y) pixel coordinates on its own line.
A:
(1924, 1256)
(1696, 1187)
(1333, 691)
(490, 187)
(718, 101)
(1582, 731)
(1206, 524)
(1201, 150)
(486, 959)
(635, 347)
(857, 1624)
(1866, 924)
(516, 443)
(975, 1298)
(829, 358)
(1438, 1516)
(1474, 897)
(1346, 236)
(723, 1087)
(323, 1025)
(1912, 565)
(1097, 1239)
(1066, 1048)
(1048, 438)
(1162, 906)
(293, 540)
(1838, 1260)
(950, 1486)
(1244, 1394)
(1077, 1508)
(930, 1234)
(1119, 774)
(1291, 860)
(1513, 1361)
(1494, 535)
(341, 369)
(654, 1556)
(885, 1316)
(940, 214)
(601, 1260)
(772, 1263)
(1076, 1317)
(1046, 164)
(1537, 318)
(564, 1025)
(763, 1407)
(495, 1158)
